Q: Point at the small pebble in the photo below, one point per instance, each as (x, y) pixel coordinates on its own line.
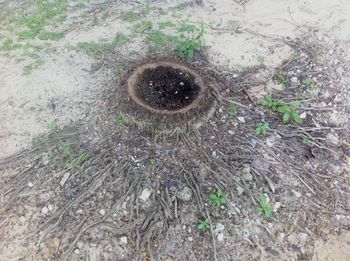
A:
(145, 194)
(45, 210)
(50, 207)
(64, 178)
(294, 79)
(102, 212)
(220, 237)
(241, 119)
(80, 244)
(124, 240)
(190, 239)
(231, 132)
(30, 184)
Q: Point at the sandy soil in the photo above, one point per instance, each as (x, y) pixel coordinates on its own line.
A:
(63, 89)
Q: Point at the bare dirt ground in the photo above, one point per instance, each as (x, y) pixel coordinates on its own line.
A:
(78, 181)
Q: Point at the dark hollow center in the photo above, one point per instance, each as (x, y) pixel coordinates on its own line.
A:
(167, 88)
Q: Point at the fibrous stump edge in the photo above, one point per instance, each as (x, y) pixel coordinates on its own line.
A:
(164, 96)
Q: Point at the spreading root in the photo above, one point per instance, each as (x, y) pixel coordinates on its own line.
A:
(105, 197)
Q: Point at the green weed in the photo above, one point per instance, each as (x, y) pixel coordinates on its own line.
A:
(130, 16)
(159, 39)
(307, 83)
(261, 128)
(232, 110)
(52, 126)
(281, 79)
(288, 111)
(69, 158)
(190, 40)
(93, 49)
(264, 206)
(50, 36)
(217, 199)
(163, 25)
(269, 102)
(120, 120)
(260, 59)
(143, 26)
(28, 69)
(152, 162)
(306, 142)
(38, 140)
(121, 39)
(7, 45)
(203, 224)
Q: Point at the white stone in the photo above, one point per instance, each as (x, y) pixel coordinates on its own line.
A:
(64, 178)
(50, 207)
(80, 244)
(231, 132)
(45, 210)
(296, 193)
(303, 236)
(219, 228)
(190, 239)
(124, 240)
(30, 184)
(333, 138)
(77, 251)
(271, 140)
(220, 237)
(276, 206)
(102, 212)
(241, 119)
(294, 79)
(240, 190)
(145, 194)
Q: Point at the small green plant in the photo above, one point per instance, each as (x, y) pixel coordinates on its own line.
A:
(203, 224)
(121, 39)
(307, 83)
(232, 110)
(7, 45)
(152, 162)
(55, 162)
(261, 128)
(143, 26)
(84, 157)
(159, 39)
(269, 102)
(130, 16)
(260, 59)
(52, 126)
(50, 36)
(217, 199)
(306, 142)
(281, 79)
(163, 25)
(38, 140)
(93, 49)
(190, 40)
(264, 206)
(120, 120)
(289, 113)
